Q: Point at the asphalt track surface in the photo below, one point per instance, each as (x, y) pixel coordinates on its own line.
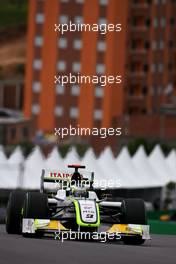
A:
(16, 249)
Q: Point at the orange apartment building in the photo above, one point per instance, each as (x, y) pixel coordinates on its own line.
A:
(143, 53)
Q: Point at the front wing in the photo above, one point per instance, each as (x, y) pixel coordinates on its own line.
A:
(31, 226)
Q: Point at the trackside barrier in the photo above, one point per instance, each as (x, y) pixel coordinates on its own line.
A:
(155, 215)
(161, 227)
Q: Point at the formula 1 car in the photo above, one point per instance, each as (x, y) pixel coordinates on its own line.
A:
(67, 203)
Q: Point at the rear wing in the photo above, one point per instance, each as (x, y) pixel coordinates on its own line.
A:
(61, 177)
(53, 177)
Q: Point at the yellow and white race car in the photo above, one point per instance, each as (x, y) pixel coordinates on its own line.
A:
(68, 207)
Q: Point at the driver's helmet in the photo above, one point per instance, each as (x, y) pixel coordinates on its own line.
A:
(78, 192)
(76, 179)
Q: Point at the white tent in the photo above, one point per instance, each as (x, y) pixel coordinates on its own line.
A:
(171, 161)
(113, 173)
(131, 178)
(2, 155)
(92, 165)
(147, 175)
(72, 157)
(123, 171)
(160, 166)
(6, 181)
(15, 165)
(16, 157)
(32, 169)
(54, 160)
(9, 175)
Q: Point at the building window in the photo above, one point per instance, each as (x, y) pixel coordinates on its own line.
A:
(80, 1)
(75, 90)
(36, 87)
(170, 65)
(74, 112)
(147, 45)
(131, 90)
(60, 89)
(98, 114)
(78, 19)
(103, 2)
(161, 44)
(62, 43)
(148, 22)
(159, 89)
(152, 90)
(76, 67)
(145, 67)
(38, 41)
(101, 46)
(154, 45)
(171, 43)
(172, 21)
(100, 68)
(99, 92)
(37, 64)
(133, 45)
(163, 22)
(144, 111)
(77, 44)
(155, 22)
(58, 111)
(102, 20)
(63, 19)
(35, 109)
(157, 2)
(61, 66)
(39, 18)
(160, 67)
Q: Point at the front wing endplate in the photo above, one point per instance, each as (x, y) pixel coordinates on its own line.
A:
(32, 225)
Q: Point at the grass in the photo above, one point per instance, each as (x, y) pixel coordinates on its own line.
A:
(13, 14)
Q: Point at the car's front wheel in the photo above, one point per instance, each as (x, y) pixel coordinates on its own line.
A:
(133, 212)
(14, 212)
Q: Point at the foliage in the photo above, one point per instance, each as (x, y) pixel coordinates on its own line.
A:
(26, 147)
(149, 145)
(13, 13)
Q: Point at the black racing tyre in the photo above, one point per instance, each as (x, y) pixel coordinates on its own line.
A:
(36, 207)
(14, 212)
(133, 212)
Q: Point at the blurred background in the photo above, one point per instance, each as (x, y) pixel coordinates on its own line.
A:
(32, 53)
(144, 104)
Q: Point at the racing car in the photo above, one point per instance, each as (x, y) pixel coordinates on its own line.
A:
(67, 202)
